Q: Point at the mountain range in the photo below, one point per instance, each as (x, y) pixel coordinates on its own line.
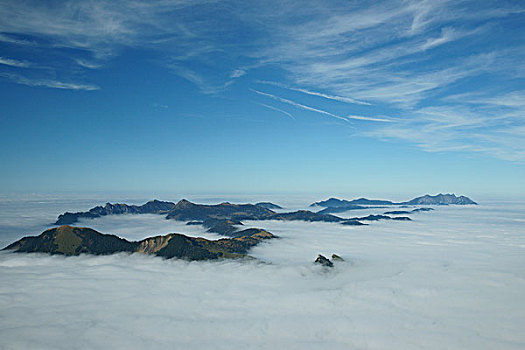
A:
(70, 240)
(151, 207)
(439, 199)
(224, 219)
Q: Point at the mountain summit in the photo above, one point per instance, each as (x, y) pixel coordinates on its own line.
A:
(441, 199)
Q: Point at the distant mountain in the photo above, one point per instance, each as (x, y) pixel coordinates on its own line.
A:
(331, 203)
(364, 201)
(379, 217)
(334, 210)
(352, 222)
(151, 207)
(225, 218)
(399, 212)
(225, 227)
(69, 240)
(305, 215)
(343, 203)
(268, 205)
(186, 210)
(218, 218)
(421, 209)
(440, 199)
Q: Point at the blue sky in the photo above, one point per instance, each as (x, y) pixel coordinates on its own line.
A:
(331, 97)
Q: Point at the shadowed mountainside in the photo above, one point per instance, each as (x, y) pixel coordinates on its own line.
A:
(151, 207)
(218, 218)
(268, 205)
(69, 240)
(185, 210)
(334, 203)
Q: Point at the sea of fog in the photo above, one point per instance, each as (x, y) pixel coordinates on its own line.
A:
(453, 278)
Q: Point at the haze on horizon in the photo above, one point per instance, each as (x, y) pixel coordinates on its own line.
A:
(334, 97)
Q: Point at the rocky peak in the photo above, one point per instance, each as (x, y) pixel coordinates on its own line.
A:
(322, 260)
(183, 203)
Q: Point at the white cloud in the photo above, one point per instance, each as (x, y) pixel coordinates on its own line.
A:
(298, 105)
(87, 64)
(314, 93)
(308, 108)
(138, 227)
(277, 110)
(394, 55)
(237, 73)
(389, 55)
(381, 298)
(14, 63)
(55, 84)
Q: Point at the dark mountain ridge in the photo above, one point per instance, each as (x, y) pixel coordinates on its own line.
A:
(185, 210)
(223, 218)
(69, 240)
(268, 205)
(151, 207)
(336, 203)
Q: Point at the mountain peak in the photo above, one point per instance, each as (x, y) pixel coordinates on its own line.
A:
(183, 203)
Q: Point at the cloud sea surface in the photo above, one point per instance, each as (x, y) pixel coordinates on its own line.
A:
(451, 279)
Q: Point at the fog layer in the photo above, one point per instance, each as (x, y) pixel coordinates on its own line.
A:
(451, 279)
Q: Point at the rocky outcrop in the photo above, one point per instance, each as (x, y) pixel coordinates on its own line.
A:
(336, 257)
(321, 260)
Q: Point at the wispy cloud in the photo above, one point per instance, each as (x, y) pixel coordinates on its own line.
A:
(277, 110)
(88, 64)
(464, 128)
(48, 83)
(314, 93)
(312, 109)
(12, 40)
(100, 29)
(237, 73)
(206, 85)
(411, 59)
(298, 105)
(160, 106)
(14, 63)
